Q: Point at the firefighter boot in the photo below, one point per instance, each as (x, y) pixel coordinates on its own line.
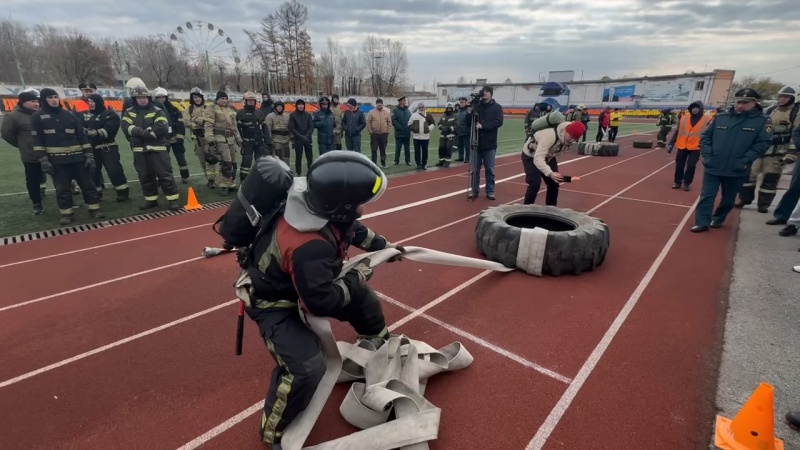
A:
(174, 205)
(66, 219)
(96, 214)
(148, 204)
(123, 195)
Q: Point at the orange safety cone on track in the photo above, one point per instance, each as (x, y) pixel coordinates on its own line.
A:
(191, 201)
(753, 428)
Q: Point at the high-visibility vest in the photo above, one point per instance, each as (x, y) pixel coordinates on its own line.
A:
(688, 135)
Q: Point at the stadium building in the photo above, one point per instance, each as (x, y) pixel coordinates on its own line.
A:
(632, 94)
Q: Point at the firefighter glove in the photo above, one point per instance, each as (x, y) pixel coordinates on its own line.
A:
(47, 166)
(90, 164)
(362, 271)
(396, 257)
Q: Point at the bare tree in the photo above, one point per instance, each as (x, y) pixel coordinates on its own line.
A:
(330, 66)
(396, 65)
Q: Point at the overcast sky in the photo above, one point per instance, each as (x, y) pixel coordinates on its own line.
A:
(494, 39)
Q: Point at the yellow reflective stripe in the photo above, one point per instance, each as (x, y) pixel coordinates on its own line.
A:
(345, 291)
(69, 130)
(172, 197)
(37, 148)
(179, 136)
(93, 207)
(65, 150)
(149, 115)
(49, 131)
(127, 119)
(270, 424)
(103, 132)
(130, 129)
(137, 149)
(65, 212)
(160, 119)
(157, 148)
(121, 187)
(368, 240)
(86, 146)
(151, 198)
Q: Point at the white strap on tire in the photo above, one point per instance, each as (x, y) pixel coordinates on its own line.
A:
(392, 378)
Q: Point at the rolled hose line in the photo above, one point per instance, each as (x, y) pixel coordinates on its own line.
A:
(383, 377)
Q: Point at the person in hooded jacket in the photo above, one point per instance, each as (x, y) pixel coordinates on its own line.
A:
(147, 128)
(101, 126)
(17, 131)
(301, 126)
(325, 123)
(539, 159)
(686, 139)
(296, 265)
(729, 145)
(64, 152)
(266, 103)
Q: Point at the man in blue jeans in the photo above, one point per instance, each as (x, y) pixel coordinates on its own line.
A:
(490, 119)
(729, 145)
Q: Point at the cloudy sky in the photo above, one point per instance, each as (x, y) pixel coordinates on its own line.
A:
(494, 39)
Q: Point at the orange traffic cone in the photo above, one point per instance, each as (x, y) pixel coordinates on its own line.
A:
(753, 428)
(191, 201)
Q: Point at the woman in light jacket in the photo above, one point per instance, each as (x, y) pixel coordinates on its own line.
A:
(421, 123)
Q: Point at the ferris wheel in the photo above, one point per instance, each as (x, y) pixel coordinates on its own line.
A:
(206, 45)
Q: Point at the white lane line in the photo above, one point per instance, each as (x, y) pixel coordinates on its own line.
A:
(101, 283)
(253, 409)
(114, 344)
(482, 342)
(95, 247)
(586, 370)
(629, 198)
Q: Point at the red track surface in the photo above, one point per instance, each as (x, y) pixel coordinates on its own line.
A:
(652, 388)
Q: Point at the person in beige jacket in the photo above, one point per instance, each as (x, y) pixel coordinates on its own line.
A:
(379, 122)
(539, 159)
(421, 123)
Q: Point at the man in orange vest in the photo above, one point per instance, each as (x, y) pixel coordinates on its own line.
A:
(687, 140)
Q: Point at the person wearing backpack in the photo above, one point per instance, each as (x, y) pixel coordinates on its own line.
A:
(783, 116)
(294, 263)
(539, 159)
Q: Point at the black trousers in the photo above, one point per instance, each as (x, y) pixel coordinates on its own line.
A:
(249, 149)
(34, 179)
(401, 145)
(420, 152)
(301, 147)
(179, 151)
(298, 357)
(108, 158)
(378, 142)
(64, 174)
(612, 134)
(685, 165)
(155, 169)
(445, 149)
(533, 177)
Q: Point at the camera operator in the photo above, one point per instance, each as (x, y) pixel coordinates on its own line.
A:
(489, 121)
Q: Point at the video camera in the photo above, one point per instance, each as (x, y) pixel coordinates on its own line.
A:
(476, 98)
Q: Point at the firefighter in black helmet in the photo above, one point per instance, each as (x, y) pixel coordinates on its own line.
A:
(301, 258)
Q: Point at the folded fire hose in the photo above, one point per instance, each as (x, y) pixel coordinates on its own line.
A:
(392, 378)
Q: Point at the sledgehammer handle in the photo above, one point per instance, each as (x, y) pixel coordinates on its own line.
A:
(240, 329)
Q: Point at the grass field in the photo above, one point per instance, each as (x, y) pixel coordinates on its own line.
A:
(16, 217)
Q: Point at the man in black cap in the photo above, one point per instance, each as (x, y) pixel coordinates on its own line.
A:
(729, 145)
(353, 122)
(16, 130)
(64, 152)
(402, 134)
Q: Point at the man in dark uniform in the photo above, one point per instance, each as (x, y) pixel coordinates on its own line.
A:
(101, 126)
(729, 145)
(65, 153)
(298, 264)
(256, 139)
(16, 130)
(147, 128)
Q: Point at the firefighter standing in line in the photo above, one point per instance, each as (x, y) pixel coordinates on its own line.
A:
(278, 124)
(64, 152)
(147, 127)
(193, 118)
(785, 119)
(17, 131)
(338, 114)
(101, 126)
(224, 141)
(255, 138)
(178, 131)
(447, 135)
(266, 103)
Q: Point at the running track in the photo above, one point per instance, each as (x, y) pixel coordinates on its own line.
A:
(123, 337)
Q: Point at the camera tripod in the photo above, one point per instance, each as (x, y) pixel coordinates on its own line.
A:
(473, 153)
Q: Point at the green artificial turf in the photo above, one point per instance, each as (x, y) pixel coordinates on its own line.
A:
(16, 217)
